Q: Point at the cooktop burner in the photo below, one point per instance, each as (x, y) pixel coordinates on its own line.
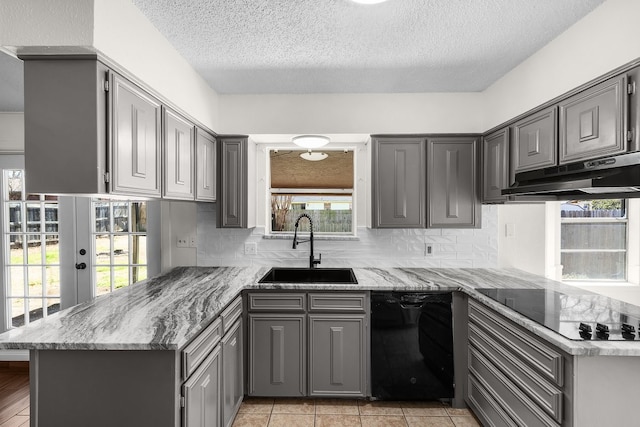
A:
(577, 316)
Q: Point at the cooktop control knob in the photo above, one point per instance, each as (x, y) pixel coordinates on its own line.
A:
(628, 331)
(602, 331)
(585, 331)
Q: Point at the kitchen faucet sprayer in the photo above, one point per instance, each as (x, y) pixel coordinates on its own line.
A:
(312, 260)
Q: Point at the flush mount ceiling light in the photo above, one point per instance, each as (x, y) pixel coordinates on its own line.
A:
(314, 157)
(310, 141)
(368, 1)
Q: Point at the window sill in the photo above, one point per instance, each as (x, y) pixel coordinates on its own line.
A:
(611, 283)
(316, 237)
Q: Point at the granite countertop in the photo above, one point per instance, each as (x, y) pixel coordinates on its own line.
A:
(166, 312)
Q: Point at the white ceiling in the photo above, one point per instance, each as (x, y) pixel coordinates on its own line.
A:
(337, 46)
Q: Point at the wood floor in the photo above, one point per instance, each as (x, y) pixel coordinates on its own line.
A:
(14, 394)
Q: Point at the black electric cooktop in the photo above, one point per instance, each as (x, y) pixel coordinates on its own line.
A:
(577, 316)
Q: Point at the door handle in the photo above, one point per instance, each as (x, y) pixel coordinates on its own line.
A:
(81, 266)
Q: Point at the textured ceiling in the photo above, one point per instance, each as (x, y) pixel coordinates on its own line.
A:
(288, 170)
(337, 46)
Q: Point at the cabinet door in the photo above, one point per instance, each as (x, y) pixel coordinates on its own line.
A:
(233, 206)
(535, 141)
(135, 150)
(453, 199)
(337, 355)
(277, 355)
(592, 123)
(202, 394)
(232, 379)
(399, 183)
(178, 142)
(495, 166)
(205, 166)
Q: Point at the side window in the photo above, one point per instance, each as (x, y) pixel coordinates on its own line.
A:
(594, 240)
(32, 252)
(119, 237)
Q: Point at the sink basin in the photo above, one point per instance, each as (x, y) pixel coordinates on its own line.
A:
(309, 275)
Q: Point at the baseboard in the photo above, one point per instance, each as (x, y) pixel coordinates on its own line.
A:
(14, 355)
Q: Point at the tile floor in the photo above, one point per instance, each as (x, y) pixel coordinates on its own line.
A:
(263, 412)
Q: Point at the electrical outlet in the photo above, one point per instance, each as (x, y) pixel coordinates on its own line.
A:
(250, 248)
(182, 242)
(192, 242)
(428, 250)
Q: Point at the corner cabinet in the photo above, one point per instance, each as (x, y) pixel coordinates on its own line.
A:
(495, 166)
(206, 166)
(452, 190)
(593, 122)
(535, 142)
(233, 210)
(399, 182)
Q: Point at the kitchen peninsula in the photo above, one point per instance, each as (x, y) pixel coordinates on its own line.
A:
(127, 347)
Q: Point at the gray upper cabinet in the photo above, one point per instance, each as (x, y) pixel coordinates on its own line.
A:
(534, 141)
(135, 147)
(233, 182)
(495, 166)
(206, 156)
(593, 122)
(178, 159)
(399, 183)
(65, 126)
(453, 197)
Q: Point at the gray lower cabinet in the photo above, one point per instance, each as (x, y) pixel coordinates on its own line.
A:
(206, 155)
(337, 349)
(308, 344)
(232, 378)
(593, 122)
(201, 393)
(495, 166)
(277, 356)
(452, 185)
(535, 141)
(178, 138)
(398, 182)
(514, 377)
(233, 208)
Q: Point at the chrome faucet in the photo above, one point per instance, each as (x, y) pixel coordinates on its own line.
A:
(312, 260)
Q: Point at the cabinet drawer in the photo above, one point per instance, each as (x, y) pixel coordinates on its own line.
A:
(341, 302)
(200, 347)
(544, 359)
(537, 388)
(231, 314)
(519, 407)
(277, 302)
(483, 404)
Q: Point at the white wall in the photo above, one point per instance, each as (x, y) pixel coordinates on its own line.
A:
(352, 113)
(603, 40)
(521, 237)
(11, 132)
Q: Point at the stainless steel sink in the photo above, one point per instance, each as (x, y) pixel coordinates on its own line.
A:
(310, 275)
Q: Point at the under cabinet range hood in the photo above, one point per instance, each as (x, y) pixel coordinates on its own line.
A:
(609, 177)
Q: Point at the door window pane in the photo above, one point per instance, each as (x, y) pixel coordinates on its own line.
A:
(32, 258)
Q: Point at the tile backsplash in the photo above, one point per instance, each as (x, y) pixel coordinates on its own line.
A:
(372, 248)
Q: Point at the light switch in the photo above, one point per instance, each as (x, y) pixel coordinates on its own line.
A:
(510, 230)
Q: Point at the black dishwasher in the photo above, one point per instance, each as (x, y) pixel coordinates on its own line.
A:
(411, 345)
